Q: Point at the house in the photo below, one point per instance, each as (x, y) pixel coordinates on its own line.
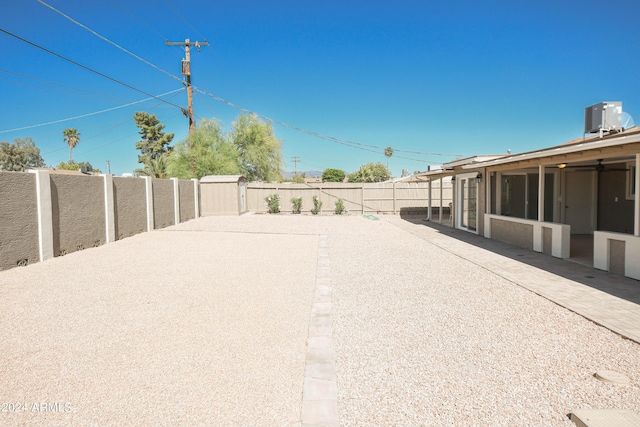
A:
(576, 200)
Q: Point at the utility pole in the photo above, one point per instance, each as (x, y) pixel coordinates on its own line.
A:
(108, 167)
(186, 72)
(295, 161)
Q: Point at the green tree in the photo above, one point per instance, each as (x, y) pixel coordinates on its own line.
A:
(205, 152)
(155, 168)
(260, 155)
(299, 178)
(370, 172)
(388, 152)
(20, 155)
(73, 166)
(72, 138)
(155, 142)
(332, 175)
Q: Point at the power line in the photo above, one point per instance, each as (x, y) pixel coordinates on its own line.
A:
(352, 144)
(85, 67)
(183, 19)
(108, 130)
(138, 19)
(108, 41)
(91, 114)
(54, 84)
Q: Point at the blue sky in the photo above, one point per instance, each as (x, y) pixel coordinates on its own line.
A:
(441, 78)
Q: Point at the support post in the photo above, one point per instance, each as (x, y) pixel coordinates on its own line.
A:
(196, 197)
(149, 192)
(441, 208)
(541, 178)
(429, 194)
(636, 228)
(176, 201)
(394, 198)
(45, 214)
(109, 209)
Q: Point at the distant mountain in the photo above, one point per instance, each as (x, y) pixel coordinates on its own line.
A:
(308, 174)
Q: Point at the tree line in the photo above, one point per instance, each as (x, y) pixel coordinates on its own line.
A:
(250, 148)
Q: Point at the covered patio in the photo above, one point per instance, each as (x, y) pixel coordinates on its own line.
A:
(573, 201)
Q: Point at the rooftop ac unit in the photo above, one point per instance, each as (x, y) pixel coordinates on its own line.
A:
(603, 117)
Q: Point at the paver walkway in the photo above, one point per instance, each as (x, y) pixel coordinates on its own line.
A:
(607, 299)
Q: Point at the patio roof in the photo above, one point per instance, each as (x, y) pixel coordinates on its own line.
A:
(578, 145)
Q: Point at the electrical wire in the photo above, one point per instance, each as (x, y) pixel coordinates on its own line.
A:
(85, 67)
(352, 144)
(91, 114)
(184, 20)
(108, 130)
(118, 140)
(139, 20)
(108, 41)
(54, 84)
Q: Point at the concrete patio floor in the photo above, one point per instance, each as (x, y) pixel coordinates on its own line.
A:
(300, 320)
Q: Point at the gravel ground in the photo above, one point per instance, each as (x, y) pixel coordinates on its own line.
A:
(175, 327)
(424, 337)
(206, 324)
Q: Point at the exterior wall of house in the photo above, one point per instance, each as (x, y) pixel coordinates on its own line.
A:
(187, 201)
(482, 202)
(617, 256)
(78, 213)
(19, 242)
(163, 203)
(617, 253)
(547, 242)
(615, 212)
(513, 233)
(129, 196)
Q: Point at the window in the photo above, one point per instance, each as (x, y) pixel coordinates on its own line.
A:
(519, 195)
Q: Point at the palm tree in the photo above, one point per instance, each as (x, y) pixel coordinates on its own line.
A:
(388, 152)
(155, 168)
(72, 138)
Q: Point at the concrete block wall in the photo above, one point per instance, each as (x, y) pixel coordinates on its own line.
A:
(18, 220)
(163, 203)
(78, 212)
(45, 215)
(130, 205)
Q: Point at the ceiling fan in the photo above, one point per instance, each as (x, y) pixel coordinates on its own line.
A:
(600, 167)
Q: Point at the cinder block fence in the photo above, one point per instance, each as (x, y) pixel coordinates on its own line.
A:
(44, 215)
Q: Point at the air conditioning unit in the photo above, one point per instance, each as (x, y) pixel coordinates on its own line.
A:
(603, 117)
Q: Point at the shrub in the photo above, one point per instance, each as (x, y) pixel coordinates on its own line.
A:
(273, 203)
(296, 204)
(317, 205)
(340, 209)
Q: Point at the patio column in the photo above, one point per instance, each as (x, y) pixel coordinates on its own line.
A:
(636, 228)
(498, 193)
(429, 202)
(541, 193)
(487, 192)
(441, 210)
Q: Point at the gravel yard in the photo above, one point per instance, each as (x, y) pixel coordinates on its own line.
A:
(206, 323)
